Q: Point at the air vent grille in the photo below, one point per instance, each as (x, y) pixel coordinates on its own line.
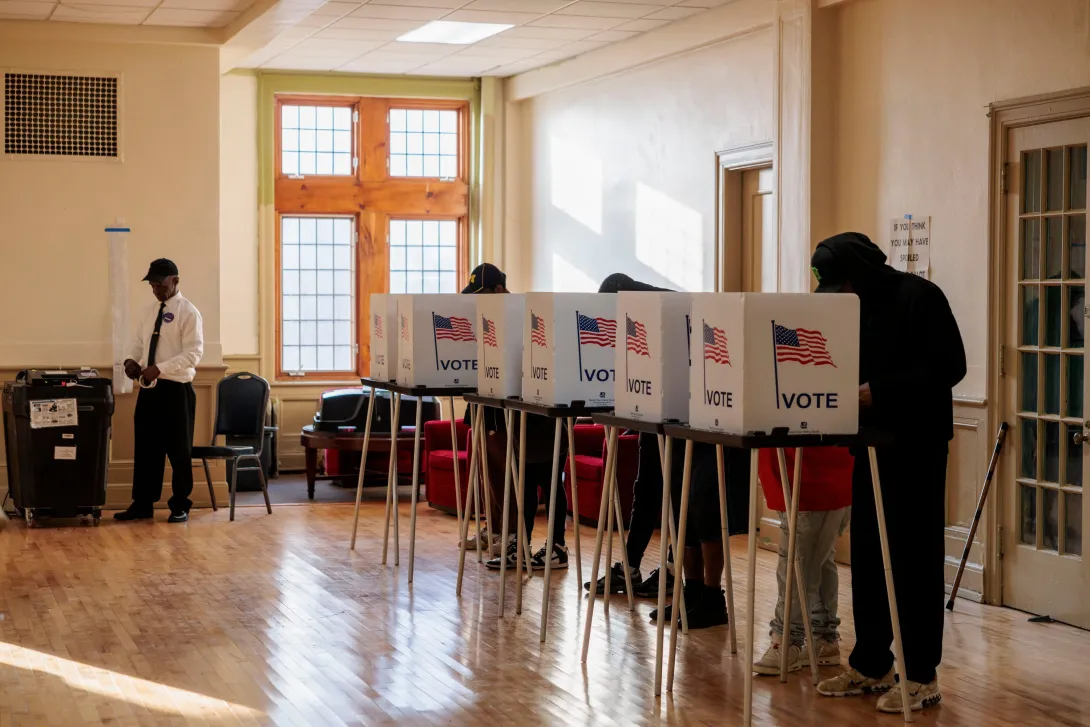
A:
(59, 115)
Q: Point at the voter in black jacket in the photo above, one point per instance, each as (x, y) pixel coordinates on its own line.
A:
(910, 357)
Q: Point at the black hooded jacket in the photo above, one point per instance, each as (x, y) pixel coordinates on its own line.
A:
(910, 349)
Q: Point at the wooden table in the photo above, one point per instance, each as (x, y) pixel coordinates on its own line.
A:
(342, 441)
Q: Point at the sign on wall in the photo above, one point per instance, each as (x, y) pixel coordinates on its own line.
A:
(910, 245)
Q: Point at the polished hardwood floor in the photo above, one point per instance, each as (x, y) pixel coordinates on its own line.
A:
(271, 620)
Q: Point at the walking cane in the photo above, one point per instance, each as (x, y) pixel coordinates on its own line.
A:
(979, 509)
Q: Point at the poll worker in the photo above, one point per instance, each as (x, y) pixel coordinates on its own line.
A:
(824, 513)
(910, 357)
(487, 279)
(168, 345)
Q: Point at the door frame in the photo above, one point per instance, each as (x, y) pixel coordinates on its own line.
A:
(1003, 117)
(729, 165)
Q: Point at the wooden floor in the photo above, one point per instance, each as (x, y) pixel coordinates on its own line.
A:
(271, 620)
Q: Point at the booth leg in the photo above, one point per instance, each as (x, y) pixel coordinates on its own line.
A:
(686, 478)
(547, 589)
(751, 589)
(665, 453)
(416, 487)
(363, 469)
(505, 518)
(611, 448)
(728, 572)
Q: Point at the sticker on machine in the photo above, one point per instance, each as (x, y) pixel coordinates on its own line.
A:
(64, 453)
(46, 413)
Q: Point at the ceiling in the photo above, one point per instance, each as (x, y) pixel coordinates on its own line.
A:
(361, 37)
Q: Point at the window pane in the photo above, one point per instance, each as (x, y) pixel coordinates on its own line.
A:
(425, 264)
(1054, 197)
(311, 272)
(1073, 521)
(1074, 386)
(1052, 451)
(1031, 249)
(1076, 246)
(1054, 315)
(1029, 448)
(1052, 383)
(1073, 464)
(1029, 382)
(1031, 187)
(414, 283)
(448, 282)
(1077, 164)
(1054, 243)
(1076, 319)
(1030, 315)
(423, 143)
(1050, 520)
(1028, 509)
(342, 359)
(315, 132)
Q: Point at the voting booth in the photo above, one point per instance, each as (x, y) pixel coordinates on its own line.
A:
(765, 361)
(653, 332)
(437, 340)
(383, 337)
(499, 345)
(568, 352)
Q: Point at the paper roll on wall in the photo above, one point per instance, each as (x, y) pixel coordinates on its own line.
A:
(118, 239)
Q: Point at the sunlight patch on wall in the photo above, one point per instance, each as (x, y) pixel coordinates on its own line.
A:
(576, 176)
(569, 279)
(669, 238)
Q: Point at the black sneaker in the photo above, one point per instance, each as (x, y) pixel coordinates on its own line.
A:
(135, 512)
(511, 555)
(560, 558)
(693, 591)
(616, 581)
(178, 517)
(709, 608)
(650, 588)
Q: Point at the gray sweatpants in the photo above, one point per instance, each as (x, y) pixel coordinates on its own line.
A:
(815, 543)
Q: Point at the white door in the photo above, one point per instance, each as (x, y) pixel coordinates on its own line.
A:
(1044, 512)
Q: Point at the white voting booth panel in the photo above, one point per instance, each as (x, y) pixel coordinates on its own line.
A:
(763, 361)
(383, 337)
(653, 356)
(437, 340)
(569, 348)
(499, 344)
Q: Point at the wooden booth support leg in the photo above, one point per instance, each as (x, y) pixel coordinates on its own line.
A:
(728, 571)
(611, 448)
(751, 589)
(504, 516)
(686, 478)
(363, 469)
(791, 502)
(416, 487)
(547, 590)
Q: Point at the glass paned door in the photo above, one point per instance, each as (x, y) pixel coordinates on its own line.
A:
(1043, 569)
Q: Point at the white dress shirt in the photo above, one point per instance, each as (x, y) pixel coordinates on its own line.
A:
(181, 339)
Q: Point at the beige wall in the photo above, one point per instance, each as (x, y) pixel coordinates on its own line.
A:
(915, 79)
(54, 286)
(238, 213)
(622, 170)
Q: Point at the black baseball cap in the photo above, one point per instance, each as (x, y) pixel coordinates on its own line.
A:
(830, 275)
(485, 275)
(160, 270)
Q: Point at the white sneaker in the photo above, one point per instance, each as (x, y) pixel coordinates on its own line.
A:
(828, 653)
(919, 696)
(851, 684)
(769, 664)
(560, 558)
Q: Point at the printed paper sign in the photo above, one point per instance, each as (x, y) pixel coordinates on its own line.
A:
(910, 245)
(46, 413)
(64, 453)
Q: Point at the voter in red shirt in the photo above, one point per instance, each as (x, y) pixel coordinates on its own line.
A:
(825, 500)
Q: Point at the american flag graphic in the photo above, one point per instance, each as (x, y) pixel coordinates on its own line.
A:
(452, 328)
(802, 346)
(404, 328)
(636, 337)
(537, 331)
(378, 327)
(715, 345)
(488, 330)
(598, 331)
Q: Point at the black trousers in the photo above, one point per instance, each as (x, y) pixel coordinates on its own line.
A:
(164, 428)
(913, 481)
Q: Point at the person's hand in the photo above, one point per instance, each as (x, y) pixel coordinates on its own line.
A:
(132, 369)
(865, 399)
(151, 373)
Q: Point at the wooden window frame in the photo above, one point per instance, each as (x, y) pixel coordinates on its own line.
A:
(372, 197)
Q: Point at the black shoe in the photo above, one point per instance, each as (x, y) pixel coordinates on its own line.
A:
(693, 592)
(178, 517)
(510, 554)
(649, 588)
(616, 581)
(560, 558)
(709, 609)
(134, 512)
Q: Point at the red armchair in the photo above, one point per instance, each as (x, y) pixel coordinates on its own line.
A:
(439, 464)
(590, 465)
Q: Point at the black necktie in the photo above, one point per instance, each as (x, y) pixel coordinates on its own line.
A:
(155, 335)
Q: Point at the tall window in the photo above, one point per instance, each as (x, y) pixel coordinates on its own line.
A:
(372, 196)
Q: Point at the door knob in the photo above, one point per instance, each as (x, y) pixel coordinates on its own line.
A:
(1080, 437)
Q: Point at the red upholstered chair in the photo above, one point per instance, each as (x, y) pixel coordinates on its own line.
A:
(590, 465)
(438, 462)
